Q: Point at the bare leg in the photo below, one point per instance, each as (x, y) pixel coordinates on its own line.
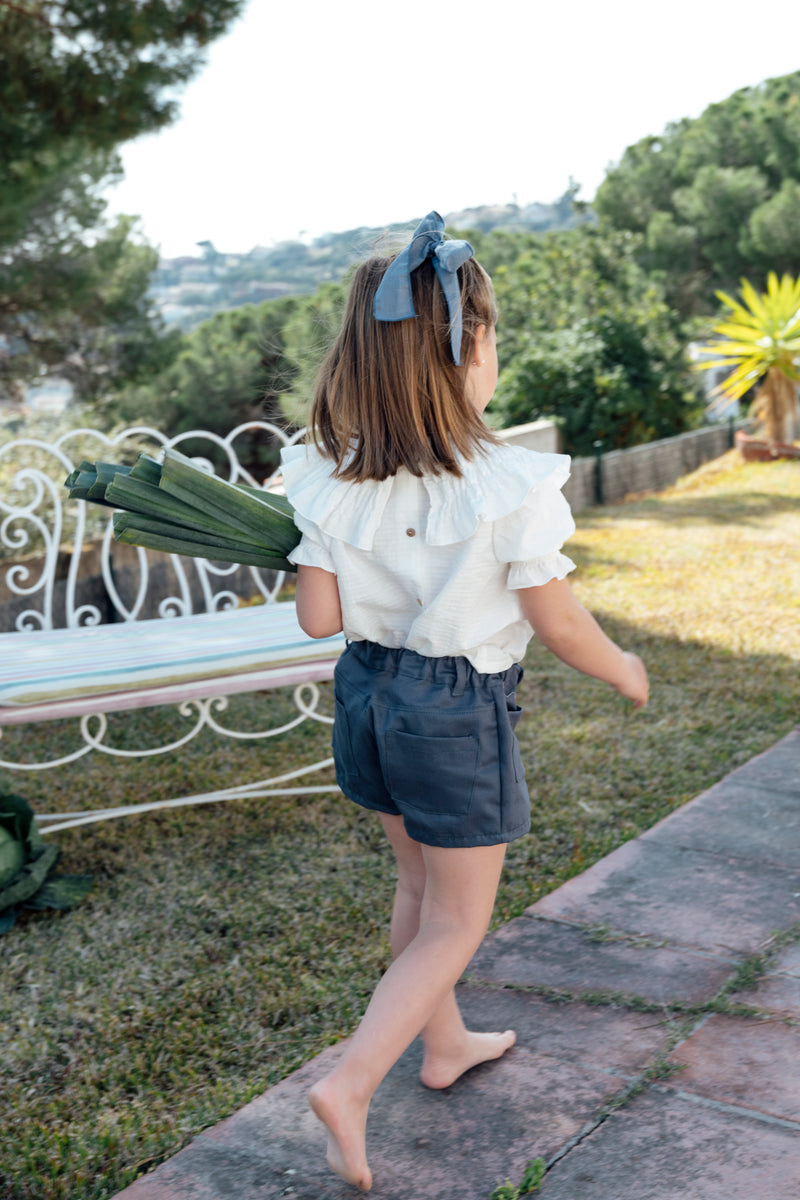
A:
(450, 1048)
(460, 887)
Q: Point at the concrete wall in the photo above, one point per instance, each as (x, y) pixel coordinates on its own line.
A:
(538, 435)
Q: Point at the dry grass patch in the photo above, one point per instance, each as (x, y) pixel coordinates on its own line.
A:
(223, 946)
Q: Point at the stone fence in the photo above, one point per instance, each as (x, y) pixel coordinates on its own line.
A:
(609, 478)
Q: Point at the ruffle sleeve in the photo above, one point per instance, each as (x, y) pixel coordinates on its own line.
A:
(538, 571)
(530, 538)
(309, 551)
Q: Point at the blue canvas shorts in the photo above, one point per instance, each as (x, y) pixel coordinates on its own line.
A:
(431, 739)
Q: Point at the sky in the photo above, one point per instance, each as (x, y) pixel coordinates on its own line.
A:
(311, 117)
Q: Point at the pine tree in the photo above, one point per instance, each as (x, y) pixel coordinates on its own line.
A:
(77, 78)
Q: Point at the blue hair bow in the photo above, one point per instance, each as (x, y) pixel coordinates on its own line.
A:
(393, 300)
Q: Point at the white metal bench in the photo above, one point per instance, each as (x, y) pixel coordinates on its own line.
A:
(202, 646)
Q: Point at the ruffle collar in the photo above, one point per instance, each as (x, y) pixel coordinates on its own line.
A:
(492, 486)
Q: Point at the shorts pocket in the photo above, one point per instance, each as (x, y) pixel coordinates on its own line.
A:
(431, 774)
(513, 709)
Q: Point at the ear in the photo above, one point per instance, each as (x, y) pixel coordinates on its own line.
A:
(477, 345)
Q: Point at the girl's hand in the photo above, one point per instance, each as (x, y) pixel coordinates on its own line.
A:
(566, 628)
(635, 685)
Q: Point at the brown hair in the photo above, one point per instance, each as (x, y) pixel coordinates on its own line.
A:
(389, 394)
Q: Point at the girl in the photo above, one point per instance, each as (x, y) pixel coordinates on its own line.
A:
(437, 549)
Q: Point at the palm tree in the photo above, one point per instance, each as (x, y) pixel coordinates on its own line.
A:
(760, 340)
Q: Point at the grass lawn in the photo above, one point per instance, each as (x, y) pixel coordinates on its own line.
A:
(221, 947)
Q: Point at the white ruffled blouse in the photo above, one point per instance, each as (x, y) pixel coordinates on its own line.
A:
(434, 563)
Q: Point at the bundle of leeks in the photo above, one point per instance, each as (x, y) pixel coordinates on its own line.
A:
(176, 506)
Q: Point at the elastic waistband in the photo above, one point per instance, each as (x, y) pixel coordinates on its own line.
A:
(454, 671)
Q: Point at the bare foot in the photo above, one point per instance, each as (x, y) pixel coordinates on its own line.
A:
(439, 1071)
(346, 1122)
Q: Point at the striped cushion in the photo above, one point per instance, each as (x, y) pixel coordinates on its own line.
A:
(58, 665)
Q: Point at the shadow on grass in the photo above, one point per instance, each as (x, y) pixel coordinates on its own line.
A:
(601, 773)
(728, 508)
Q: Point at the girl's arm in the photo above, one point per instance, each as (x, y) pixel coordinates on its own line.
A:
(573, 635)
(319, 610)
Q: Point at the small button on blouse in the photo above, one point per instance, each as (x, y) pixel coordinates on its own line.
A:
(410, 532)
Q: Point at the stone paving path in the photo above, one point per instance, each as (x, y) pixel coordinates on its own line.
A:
(657, 1003)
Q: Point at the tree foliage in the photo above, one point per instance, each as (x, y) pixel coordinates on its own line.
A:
(258, 362)
(80, 76)
(232, 369)
(716, 198)
(585, 337)
(77, 77)
(309, 334)
(77, 306)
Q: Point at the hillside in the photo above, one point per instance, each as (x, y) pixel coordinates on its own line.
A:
(189, 290)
